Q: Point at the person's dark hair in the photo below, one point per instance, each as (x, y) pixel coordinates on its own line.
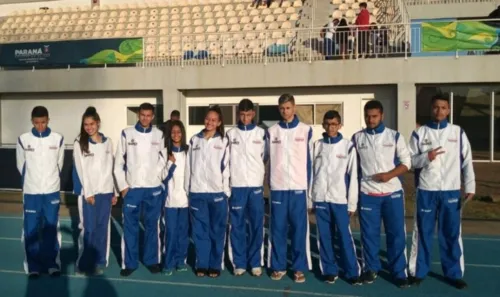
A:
(332, 114)
(147, 106)
(363, 5)
(374, 104)
(164, 128)
(168, 138)
(91, 112)
(175, 113)
(245, 105)
(39, 112)
(216, 109)
(439, 97)
(343, 23)
(286, 98)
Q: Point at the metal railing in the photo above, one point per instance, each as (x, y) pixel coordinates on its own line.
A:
(426, 2)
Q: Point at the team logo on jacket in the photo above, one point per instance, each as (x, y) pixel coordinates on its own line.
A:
(300, 139)
(426, 142)
(257, 141)
(235, 141)
(362, 146)
(196, 148)
(155, 143)
(452, 139)
(340, 156)
(217, 147)
(276, 141)
(132, 142)
(29, 149)
(88, 154)
(388, 145)
(53, 147)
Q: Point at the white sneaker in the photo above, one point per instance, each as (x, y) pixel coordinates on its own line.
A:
(257, 271)
(239, 271)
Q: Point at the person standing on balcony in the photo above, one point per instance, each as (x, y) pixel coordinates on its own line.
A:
(363, 26)
(329, 40)
(441, 154)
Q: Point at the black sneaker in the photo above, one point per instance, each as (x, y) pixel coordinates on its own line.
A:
(458, 283)
(415, 281)
(34, 275)
(356, 281)
(369, 277)
(126, 272)
(330, 279)
(155, 268)
(402, 283)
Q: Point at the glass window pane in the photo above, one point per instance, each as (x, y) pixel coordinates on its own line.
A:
(197, 115)
(268, 115)
(305, 113)
(228, 114)
(321, 109)
(472, 112)
(496, 136)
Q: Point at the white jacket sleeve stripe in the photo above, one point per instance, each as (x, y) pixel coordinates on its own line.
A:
(60, 160)
(120, 163)
(352, 173)
(310, 147)
(466, 162)
(225, 171)
(77, 158)
(187, 168)
(418, 159)
(20, 158)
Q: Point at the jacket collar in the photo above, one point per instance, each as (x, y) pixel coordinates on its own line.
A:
(200, 134)
(290, 125)
(250, 126)
(437, 125)
(177, 149)
(139, 128)
(377, 130)
(104, 138)
(42, 134)
(332, 140)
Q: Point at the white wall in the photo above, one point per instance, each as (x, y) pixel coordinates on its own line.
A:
(65, 114)
(352, 107)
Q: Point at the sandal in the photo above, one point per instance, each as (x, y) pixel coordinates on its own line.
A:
(200, 272)
(278, 275)
(213, 273)
(299, 277)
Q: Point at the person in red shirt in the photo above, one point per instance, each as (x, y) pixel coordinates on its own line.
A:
(363, 25)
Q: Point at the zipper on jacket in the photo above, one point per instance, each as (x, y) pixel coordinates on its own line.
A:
(287, 157)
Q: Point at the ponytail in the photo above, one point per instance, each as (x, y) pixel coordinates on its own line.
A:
(84, 136)
(219, 129)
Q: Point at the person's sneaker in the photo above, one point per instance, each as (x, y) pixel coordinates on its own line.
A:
(330, 279)
(415, 281)
(167, 272)
(54, 272)
(182, 268)
(458, 283)
(369, 277)
(278, 275)
(257, 271)
(356, 281)
(126, 272)
(34, 275)
(155, 268)
(239, 271)
(402, 283)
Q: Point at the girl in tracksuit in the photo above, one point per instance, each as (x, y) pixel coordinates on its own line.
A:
(207, 182)
(176, 204)
(93, 183)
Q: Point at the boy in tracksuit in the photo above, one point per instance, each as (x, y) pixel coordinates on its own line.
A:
(138, 176)
(335, 196)
(441, 155)
(40, 157)
(290, 149)
(383, 157)
(247, 147)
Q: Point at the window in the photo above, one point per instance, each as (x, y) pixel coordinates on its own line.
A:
(321, 109)
(196, 115)
(268, 115)
(305, 113)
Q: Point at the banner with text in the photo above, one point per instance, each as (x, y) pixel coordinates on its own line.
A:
(76, 52)
(460, 36)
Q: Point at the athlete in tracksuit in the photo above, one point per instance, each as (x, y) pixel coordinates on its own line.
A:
(176, 214)
(382, 156)
(40, 157)
(138, 176)
(94, 184)
(207, 182)
(335, 197)
(441, 155)
(247, 147)
(290, 150)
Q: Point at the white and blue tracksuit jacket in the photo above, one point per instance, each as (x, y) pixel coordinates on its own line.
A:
(381, 150)
(138, 168)
(247, 151)
(290, 172)
(40, 158)
(93, 177)
(176, 210)
(207, 182)
(335, 194)
(438, 184)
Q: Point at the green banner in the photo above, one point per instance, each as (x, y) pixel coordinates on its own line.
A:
(459, 36)
(76, 52)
